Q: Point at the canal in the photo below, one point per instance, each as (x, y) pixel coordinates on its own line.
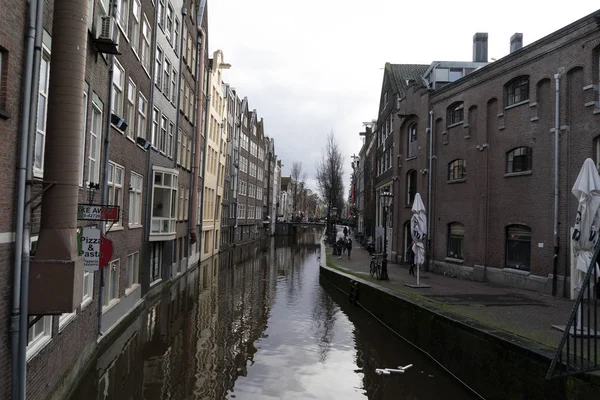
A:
(258, 324)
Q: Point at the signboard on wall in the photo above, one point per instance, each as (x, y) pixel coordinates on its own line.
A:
(94, 247)
(97, 212)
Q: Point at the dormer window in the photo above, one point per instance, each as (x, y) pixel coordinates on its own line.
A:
(456, 113)
(517, 90)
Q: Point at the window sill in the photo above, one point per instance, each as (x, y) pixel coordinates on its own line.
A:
(86, 302)
(36, 348)
(410, 158)
(135, 226)
(455, 124)
(123, 31)
(115, 228)
(131, 289)
(515, 271)
(517, 104)
(452, 181)
(521, 173)
(454, 260)
(110, 305)
(4, 114)
(115, 127)
(63, 324)
(156, 282)
(597, 111)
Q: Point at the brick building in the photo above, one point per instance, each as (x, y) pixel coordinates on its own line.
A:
(492, 127)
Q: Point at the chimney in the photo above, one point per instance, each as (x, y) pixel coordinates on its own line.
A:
(516, 42)
(480, 47)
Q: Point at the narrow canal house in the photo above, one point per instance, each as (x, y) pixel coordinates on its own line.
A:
(215, 156)
(139, 113)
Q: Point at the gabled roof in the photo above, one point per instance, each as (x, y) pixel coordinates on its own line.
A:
(403, 75)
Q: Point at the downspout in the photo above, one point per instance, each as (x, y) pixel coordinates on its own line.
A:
(217, 188)
(18, 363)
(429, 186)
(487, 203)
(198, 146)
(176, 136)
(207, 96)
(178, 117)
(149, 174)
(557, 77)
(195, 140)
(106, 151)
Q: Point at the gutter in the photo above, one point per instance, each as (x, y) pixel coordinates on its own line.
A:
(195, 140)
(430, 185)
(557, 77)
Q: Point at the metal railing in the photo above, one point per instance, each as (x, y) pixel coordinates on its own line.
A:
(578, 349)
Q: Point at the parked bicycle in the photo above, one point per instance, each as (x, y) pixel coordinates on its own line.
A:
(375, 266)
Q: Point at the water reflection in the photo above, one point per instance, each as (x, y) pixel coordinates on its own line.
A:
(255, 324)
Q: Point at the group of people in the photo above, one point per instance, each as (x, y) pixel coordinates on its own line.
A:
(343, 244)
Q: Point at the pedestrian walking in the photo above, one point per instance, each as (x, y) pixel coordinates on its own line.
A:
(345, 231)
(340, 245)
(349, 247)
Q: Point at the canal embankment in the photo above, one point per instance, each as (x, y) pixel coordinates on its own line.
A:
(497, 341)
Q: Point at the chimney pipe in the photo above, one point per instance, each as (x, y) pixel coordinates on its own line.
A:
(57, 269)
(480, 47)
(516, 42)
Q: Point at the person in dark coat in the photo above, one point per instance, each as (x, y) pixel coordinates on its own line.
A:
(349, 247)
(345, 231)
(411, 259)
(340, 246)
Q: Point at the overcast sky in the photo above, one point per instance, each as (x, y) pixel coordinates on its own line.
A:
(312, 66)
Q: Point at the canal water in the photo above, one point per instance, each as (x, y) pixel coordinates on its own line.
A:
(258, 324)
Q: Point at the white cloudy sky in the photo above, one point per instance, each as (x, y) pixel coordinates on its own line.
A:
(312, 66)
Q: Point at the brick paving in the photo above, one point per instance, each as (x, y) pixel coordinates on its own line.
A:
(518, 312)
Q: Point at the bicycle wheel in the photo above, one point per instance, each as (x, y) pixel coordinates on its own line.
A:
(378, 271)
(372, 268)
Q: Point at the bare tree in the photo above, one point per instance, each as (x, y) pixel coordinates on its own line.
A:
(330, 175)
(298, 178)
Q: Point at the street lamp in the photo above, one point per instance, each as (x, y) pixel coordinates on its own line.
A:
(386, 201)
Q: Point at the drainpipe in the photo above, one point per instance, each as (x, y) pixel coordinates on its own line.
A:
(195, 140)
(201, 43)
(106, 156)
(429, 185)
(178, 117)
(557, 77)
(205, 148)
(18, 370)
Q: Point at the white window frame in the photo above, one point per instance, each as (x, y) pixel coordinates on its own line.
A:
(84, 136)
(169, 12)
(142, 116)
(162, 140)
(158, 68)
(155, 127)
(170, 138)
(117, 99)
(167, 78)
(135, 199)
(38, 170)
(172, 206)
(115, 189)
(123, 16)
(176, 26)
(146, 35)
(94, 157)
(112, 270)
(132, 272)
(131, 110)
(88, 288)
(174, 88)
(36, 342)
(135, 32)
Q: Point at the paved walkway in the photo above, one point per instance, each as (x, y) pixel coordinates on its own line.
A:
(515, 311)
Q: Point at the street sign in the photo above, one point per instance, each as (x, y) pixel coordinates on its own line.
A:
(97, 212)
(95, 248)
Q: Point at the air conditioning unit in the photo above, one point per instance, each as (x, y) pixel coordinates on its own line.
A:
(107, 35)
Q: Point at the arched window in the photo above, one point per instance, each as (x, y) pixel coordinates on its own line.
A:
(518, 247)
(412, 140)
(456, 239)
(517, 90)
(456, 113)
(519, 160)
(411, 186)
(457, 169)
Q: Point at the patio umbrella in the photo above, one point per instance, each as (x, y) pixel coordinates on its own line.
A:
(418, 228)
(585, 231)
